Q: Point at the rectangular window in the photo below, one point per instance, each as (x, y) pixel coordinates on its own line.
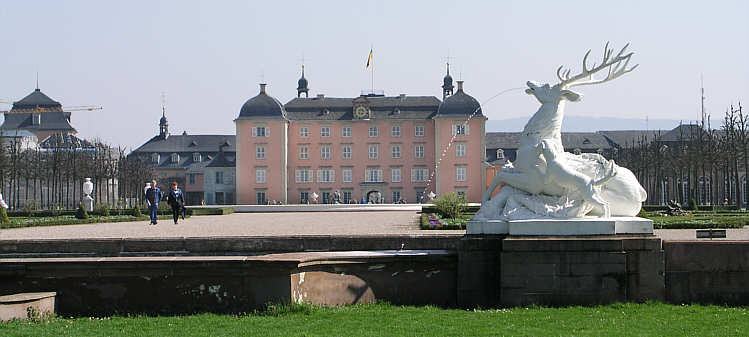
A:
(347, 195)
(419, 196)
(347, 175)
(373, 175)
(191, 178)
(460, 149)
(419, 175)
(419, 151)
(219, 198)
(260, 176)
(196, 157)
(326, 175)
(219, 178)
(325, 152)
(460, 173)
(460, 129)
(326, 199)
(260, 198)
(304, 132)
(346, 150)
(260, 131)
(304, 152)
(396, 196)
(325, 131)
(395, 151)
(303, 197)
(303, 176)
(346, 131)
(373, 132)
(395, 131)
(373, 150)
(395, 175)
(419, 131)
(259, 151)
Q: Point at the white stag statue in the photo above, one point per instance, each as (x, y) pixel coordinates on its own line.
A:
(545, 181)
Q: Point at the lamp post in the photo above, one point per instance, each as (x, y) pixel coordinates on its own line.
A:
(88, 201)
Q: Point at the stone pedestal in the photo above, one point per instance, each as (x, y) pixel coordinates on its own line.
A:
(88, 203)
(559, 270)
(562, 227)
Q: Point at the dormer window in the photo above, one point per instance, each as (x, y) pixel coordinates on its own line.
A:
(155, 158)
(500, 154)
(196, 157)
(175, 158)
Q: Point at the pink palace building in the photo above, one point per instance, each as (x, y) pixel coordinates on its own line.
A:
(368, 147)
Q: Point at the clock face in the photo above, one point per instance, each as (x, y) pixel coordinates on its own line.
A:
(361, 112)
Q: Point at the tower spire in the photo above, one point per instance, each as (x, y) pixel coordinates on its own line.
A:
(163, 123)
(447, 83)
(303, 85)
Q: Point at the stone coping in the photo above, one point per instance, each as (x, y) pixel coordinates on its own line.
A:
(26, 297)
(563, 227)
(323, 207)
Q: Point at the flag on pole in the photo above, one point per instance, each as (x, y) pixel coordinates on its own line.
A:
(369, 59)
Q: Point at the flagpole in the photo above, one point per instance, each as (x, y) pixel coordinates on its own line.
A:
(371, 50)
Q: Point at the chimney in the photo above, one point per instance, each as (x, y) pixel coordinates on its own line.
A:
(460, 85)
(262, 87)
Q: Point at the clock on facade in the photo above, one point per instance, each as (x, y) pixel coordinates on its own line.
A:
(361, 112)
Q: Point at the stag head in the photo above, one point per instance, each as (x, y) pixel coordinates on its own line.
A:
(617, 66)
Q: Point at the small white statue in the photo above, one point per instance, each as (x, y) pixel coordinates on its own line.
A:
(88, 201)
(530, 189)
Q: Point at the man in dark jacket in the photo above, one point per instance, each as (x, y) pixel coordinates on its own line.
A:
(153, 197)
(177, 201)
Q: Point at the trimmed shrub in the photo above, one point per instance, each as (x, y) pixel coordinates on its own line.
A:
(4, 216)
(101, 209)
(450, 205)
(692, 204)
(81, 213)
(136, 211)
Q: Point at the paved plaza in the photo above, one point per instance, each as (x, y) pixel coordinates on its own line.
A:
(277, 225)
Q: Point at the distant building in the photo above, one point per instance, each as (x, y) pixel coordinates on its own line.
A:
(38, 114)
(219, 178)
(182, 158)
(399, 147)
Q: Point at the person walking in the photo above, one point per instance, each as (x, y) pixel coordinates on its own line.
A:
(153, 197)
(177, 200)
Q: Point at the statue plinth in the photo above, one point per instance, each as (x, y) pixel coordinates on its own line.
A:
(563, 227)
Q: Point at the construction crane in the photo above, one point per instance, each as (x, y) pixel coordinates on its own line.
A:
(65, 109)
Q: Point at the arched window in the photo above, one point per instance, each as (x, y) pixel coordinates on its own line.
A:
(155, 158)
(196, 157)
(500, 154)
(175, 158)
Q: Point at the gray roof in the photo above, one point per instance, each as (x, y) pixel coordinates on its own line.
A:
(625, 138)
(51, 114)
(382, 107)
(570, 140)
(221, 161)
(683, 132)
(36, 99)
(188, 143)
(262, 106)
(459, 105)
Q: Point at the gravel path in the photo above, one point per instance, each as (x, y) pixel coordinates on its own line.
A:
(241, 224)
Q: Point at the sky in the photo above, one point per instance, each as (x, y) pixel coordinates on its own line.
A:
(208, 57)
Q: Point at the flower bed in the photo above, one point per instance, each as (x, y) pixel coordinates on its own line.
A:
(435, 221)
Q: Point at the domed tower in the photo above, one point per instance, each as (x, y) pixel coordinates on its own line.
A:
(261, 143)
(163, 124)
(302, 86)
(447, 84)
(459, 144)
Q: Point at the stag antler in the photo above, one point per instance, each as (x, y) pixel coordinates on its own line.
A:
(617, 67)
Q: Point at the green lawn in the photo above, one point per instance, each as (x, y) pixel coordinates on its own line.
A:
(652, 319)
(18, 222)
(700, 219)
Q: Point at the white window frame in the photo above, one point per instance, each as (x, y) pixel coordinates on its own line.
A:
(374, 173)
(257, 134)
(394, 197)
(395, 131)
(325, 152)
(418, 151)
(373, 151)
(460, 150)
(346, 132)
(347, 175)
(303, 175)
(461, 129)
(303, 152)
(259, 151)
(347, 151)
(326, 175)
(304, 132)
(196, 157)
(461, 173)
(174, 158)
(396, 174)
(500, 154)
(260, 176)
(395, 151)
(155, 158)
(325, 132)
(419, 175)
(374, 131)
(419, 130)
